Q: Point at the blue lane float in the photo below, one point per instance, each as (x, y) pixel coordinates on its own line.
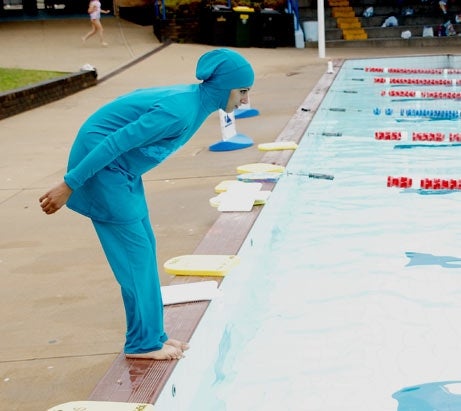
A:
(442, 114)
(429, 145)
(387, 111)
(433, 114)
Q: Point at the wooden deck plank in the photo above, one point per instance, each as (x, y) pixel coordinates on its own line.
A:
(143, 380)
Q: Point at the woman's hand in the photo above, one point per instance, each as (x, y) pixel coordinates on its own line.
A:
(55, 198)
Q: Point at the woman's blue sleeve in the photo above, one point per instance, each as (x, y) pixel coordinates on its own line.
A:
(151, 127)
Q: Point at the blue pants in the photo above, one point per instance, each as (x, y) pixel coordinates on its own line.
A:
(131, 252)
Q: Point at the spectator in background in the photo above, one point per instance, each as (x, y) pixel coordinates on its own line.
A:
(443, 6)
(94, 10)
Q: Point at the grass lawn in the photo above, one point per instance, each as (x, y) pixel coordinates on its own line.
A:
(16, 78)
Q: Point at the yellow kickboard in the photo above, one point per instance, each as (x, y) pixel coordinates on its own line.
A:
(223, 186)
(102, 406)
(215, 265)
(260, 168)
(278, 145)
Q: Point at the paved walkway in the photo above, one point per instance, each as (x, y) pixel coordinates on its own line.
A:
(62, 320)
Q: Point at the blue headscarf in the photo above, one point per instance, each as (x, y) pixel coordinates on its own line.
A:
(223, 70)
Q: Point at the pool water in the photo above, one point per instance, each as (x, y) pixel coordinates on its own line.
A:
(347, 297)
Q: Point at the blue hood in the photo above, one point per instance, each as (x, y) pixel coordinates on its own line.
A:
(223, 70)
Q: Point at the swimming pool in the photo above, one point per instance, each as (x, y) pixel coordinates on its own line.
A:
(347, 296)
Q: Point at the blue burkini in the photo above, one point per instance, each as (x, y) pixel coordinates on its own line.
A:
(114, 148)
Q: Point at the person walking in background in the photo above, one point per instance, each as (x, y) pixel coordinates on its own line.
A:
(94, 10)
(113, 149)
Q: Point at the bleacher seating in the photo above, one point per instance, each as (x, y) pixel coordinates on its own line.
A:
(345, 24)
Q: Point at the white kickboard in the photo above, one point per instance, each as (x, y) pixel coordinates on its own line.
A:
(184, 293)
(239, 197)
(261, 198)
(102, 406)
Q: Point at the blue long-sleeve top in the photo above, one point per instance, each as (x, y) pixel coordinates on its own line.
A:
(126, 138)
(135, 132)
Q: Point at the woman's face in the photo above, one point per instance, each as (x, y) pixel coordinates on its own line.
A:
(237, 97)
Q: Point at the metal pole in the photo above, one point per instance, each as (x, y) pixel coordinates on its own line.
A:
(321, 28)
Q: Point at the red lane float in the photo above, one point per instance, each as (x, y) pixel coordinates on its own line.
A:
(400, 93)
(440, 184)
(425, 183)
(454, 95)
(401, 182)
(441, 94)
(418, 81)
(428, 136)
(410, 70)
(388, 135)
(416, 136)
(454, 137)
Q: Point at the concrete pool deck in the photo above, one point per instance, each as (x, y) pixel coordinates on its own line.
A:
(54, 277)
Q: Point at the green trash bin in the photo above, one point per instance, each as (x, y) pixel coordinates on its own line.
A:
(243, 19)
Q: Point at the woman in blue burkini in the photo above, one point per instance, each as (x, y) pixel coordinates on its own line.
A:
(114, 147)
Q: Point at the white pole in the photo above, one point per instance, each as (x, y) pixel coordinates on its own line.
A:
(321, 28)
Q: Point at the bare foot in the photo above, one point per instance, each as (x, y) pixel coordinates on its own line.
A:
(167, 352)
(183, 346)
